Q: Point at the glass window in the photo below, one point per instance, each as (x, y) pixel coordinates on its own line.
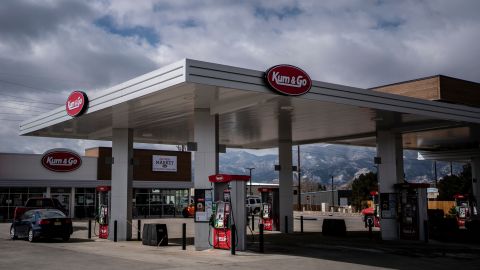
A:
(60, 190)
(28, 214)
(79, 190)
(40, 203)
(18, 190)
(252, 201)
(40, 190)
(51, 213)
(258, 200)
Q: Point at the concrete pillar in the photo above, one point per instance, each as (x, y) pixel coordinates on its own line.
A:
(239, 211)
(72, 203)
(422, 212)
(390, 172)
(476, 178)
(285, 174)
(205, 164)
(121, 193)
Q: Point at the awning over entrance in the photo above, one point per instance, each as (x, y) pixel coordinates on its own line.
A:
(159, 107)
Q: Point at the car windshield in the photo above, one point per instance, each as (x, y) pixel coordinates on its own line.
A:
(51, 213)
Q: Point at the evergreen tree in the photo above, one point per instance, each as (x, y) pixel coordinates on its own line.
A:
(361, 188)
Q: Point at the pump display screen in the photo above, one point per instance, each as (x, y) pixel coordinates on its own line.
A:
(203, 205)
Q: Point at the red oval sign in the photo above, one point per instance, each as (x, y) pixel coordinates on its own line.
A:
(76, 103)
(59, 160)
(288, 80)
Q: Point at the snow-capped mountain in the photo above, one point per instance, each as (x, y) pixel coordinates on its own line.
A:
(321, 161)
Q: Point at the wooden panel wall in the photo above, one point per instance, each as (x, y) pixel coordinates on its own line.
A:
(428, 88)
(142, 169)
(439, 88)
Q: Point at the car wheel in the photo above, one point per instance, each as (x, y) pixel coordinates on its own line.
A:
(66, 237)
(31, 236)
(13, 234)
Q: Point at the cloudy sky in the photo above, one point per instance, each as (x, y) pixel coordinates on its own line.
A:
(49, 48)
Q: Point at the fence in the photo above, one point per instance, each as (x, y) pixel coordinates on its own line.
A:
(443, 205)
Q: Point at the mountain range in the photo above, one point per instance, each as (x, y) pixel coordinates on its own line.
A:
(319, 162)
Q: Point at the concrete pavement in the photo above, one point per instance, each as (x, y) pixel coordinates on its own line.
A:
(306, 251)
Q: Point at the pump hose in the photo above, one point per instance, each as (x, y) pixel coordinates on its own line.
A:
(236, 231)
(95, 228)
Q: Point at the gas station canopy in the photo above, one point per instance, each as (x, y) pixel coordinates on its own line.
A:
(159, 106)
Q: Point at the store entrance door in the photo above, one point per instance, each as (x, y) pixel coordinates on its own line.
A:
(63, 196)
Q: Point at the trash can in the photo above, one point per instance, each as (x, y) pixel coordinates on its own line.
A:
(334, 227)
(155, 235)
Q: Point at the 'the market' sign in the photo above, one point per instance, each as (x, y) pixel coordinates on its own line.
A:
(164, 163)
(288, 80)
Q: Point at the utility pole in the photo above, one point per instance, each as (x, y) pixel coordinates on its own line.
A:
(250, 169)
(299, 173)
(333, 201)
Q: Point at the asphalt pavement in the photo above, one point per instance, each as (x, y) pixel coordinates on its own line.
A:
(308, 250)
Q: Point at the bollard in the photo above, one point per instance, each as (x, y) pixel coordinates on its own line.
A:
(260, 236)
(425, 230)
(184, 236)
(115, 231)
(370, 235)
(301, 224)
(286, 224)
(89, 229)
(232, 239)
(139, 226)
(253, 222)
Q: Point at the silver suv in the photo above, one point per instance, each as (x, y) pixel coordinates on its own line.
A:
(253, 204)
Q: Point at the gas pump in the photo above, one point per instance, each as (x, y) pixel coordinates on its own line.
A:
(412, 210)
(228, 210)
(462, 207)
(103, 200)
(269, 214)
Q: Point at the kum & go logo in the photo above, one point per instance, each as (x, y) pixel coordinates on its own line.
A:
(288, 80)
(77, 103)
(61, 160)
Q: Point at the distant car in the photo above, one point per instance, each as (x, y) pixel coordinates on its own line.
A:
(42, 223)
(253, 204)
(189, 211)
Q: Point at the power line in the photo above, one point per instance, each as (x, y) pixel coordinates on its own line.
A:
(43, 77)
(33, 100)
(13, 120)
(19, 113)
(38, 102)
(27, 86)
(35, 110)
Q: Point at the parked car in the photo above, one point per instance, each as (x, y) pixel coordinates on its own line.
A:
(39, 203)
(188, 211)
(253, 204)
(42, 223)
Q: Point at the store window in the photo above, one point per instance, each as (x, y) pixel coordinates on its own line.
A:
(84, 202)
(157, 203)
(17, 196)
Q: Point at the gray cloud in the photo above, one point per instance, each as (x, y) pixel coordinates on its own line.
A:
(58, 46)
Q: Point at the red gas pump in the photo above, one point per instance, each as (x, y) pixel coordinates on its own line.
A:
(462, 207)
(103, 205)
(222, 218)
(269, 212)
